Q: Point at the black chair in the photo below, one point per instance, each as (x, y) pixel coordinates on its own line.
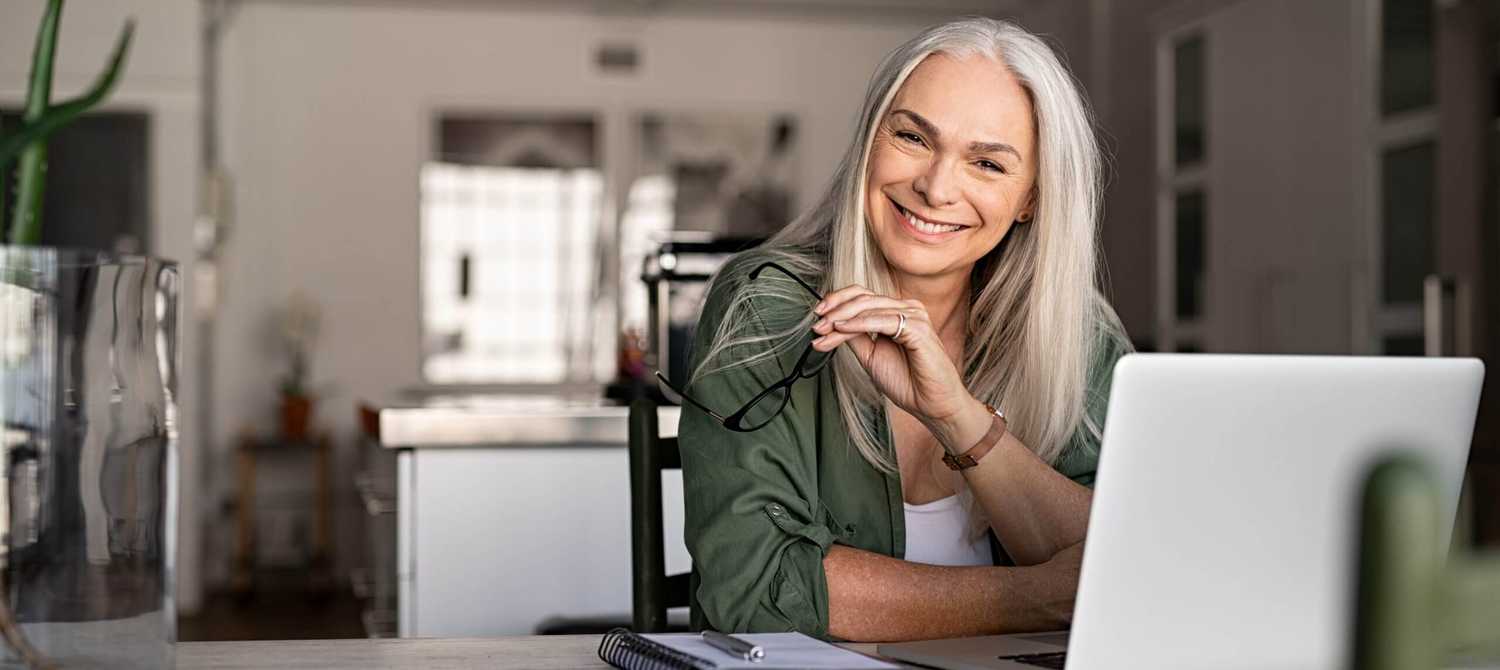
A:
(653, 591)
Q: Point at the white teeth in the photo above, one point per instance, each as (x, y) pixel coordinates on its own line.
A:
(929, 228)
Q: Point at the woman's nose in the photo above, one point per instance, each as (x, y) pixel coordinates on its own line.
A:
(936, 185)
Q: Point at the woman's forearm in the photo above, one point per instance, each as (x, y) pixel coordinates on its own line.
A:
(876, 598)
(1035, 510)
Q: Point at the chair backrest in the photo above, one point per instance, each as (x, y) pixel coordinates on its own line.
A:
(653, 591)
(1415, 607)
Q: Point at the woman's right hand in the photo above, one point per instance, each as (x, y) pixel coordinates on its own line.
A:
(909, 365)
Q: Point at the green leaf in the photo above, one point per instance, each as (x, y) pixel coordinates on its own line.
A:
(35, 131)
(31, 174)
(61, 114)
(39, 90)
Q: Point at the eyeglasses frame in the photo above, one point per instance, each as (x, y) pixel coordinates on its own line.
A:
(735, 421)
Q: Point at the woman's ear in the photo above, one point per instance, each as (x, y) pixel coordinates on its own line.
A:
(1028, 210)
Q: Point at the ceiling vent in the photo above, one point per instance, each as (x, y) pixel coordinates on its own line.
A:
(617, 59)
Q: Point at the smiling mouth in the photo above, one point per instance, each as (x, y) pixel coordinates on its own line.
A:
(924, 227)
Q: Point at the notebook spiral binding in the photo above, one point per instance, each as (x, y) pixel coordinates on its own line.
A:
(624, 649)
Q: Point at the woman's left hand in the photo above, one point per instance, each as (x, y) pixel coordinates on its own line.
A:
(907, 363)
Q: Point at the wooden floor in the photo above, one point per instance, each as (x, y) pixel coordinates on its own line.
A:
(275, 614)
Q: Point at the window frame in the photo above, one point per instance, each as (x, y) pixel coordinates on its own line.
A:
(1374, 321)
(607, 289)
(1172, 332)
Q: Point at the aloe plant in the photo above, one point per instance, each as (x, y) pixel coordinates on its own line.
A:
(41, 118)
(29, 141)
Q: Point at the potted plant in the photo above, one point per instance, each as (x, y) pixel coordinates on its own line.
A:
(298, 322)
(88, 388)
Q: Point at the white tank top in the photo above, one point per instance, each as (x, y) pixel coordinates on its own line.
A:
(937, 533)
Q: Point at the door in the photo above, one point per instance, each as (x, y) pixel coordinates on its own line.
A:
(1436, 241)
(1462, 297)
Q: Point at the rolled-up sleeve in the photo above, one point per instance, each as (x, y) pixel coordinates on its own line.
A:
(1080, 461)
(755, 526)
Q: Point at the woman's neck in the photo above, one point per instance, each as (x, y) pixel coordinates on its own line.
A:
(946, 298)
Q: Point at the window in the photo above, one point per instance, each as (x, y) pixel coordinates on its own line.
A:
(1406, 186)
(1182, 191)
(698, 176)
(645, 224)
(1402, 171)
(1188, 102)
(1405, 345)
(1406, 56)
(509, 264)
(1189, 261)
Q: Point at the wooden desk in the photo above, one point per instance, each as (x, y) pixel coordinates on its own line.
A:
(542, 653)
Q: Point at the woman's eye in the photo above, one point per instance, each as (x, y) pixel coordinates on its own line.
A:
(909, 137)
(990, 165)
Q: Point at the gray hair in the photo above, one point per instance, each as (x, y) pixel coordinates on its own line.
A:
(1036, 312)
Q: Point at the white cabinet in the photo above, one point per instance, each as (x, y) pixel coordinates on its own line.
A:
(495, 539)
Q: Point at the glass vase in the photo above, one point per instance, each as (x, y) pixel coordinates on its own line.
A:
(88, 496)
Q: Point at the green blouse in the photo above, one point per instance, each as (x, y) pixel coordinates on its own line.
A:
(762, 508)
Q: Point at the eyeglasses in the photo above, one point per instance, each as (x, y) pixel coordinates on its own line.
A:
(764, 407)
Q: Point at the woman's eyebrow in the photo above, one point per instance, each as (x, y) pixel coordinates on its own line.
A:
(993, 147)
(976, 147)
(921, 122)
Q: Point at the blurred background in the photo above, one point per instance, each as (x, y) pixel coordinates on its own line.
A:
(414, 235)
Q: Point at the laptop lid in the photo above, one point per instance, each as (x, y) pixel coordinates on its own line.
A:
(1222, 527)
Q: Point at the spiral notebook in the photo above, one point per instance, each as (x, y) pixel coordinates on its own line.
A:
(671, 651)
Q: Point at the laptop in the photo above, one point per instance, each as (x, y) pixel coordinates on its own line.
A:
(1223, 523)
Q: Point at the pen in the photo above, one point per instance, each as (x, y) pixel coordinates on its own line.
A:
(734, 646)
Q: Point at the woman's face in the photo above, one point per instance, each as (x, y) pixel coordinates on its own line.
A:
(952, 166)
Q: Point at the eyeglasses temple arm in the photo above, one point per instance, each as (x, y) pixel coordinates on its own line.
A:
(756, 273)
(662, 379)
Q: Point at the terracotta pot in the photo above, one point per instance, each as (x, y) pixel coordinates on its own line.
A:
(296, 415)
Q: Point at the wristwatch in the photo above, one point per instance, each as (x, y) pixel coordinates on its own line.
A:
(970, 458)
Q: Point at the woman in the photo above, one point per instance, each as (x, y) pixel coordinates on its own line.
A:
(938, 359)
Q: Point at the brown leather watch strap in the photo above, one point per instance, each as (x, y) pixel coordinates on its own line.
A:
(970, 458)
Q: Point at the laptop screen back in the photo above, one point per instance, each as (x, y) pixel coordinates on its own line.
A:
(1222, 528)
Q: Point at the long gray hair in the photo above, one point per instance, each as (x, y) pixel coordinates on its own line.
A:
(1035, 310)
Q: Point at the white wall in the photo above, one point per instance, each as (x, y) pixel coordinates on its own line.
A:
(329, 110)
(162, 80)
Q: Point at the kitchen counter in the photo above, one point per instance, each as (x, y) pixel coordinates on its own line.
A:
(502, 512)
(500, 420)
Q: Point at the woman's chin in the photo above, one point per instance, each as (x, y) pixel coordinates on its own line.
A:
(916, 263)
